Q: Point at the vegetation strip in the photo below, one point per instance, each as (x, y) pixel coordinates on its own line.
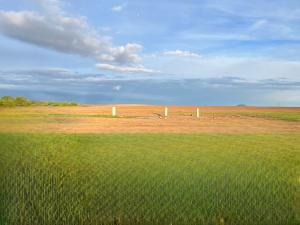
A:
(9, 101)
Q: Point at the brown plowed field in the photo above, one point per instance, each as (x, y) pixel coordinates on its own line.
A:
(147, 119)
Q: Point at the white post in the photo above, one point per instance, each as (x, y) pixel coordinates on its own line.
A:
(198, 113)
(166, 111)
(114, 111)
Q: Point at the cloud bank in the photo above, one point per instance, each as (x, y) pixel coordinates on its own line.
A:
(65, 85)
(55, 29)
(125, 69)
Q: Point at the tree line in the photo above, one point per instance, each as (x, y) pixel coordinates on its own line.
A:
(9, 101)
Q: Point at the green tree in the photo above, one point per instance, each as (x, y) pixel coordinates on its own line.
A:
(22, 101)
(7, 101)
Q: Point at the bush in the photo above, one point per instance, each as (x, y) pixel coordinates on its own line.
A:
(22, 101)
(8, 101)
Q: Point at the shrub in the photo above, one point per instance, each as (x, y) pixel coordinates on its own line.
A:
(22, 101)
(7, 101)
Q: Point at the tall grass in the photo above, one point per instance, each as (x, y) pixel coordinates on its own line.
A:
(149, 179)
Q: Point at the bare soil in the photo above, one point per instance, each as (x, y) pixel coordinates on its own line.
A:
(143, 119)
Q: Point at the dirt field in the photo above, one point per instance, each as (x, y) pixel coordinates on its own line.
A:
(146, 119)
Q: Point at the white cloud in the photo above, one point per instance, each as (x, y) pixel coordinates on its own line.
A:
(67, 34)
(49, 6)
(181, 53)
(94, 79)
(7, 86)
(117, 88)
(124, 54)
(248, 67)
(119, 8)
(125, 69)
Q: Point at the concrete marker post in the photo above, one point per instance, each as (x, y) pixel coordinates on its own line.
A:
(198, 113)
(166, 112)
(114, 111)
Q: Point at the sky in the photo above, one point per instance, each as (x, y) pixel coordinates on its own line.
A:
(192, 52)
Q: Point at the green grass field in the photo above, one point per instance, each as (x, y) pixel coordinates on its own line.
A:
(285, 116)
(67, 179)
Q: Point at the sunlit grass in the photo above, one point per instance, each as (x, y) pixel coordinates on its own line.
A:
(285, 116)
(149, 179)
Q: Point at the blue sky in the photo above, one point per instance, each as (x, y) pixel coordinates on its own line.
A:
(155, 52)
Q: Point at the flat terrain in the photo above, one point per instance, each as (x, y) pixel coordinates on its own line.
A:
(128, 179)
(81, 166)
(146, 119)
